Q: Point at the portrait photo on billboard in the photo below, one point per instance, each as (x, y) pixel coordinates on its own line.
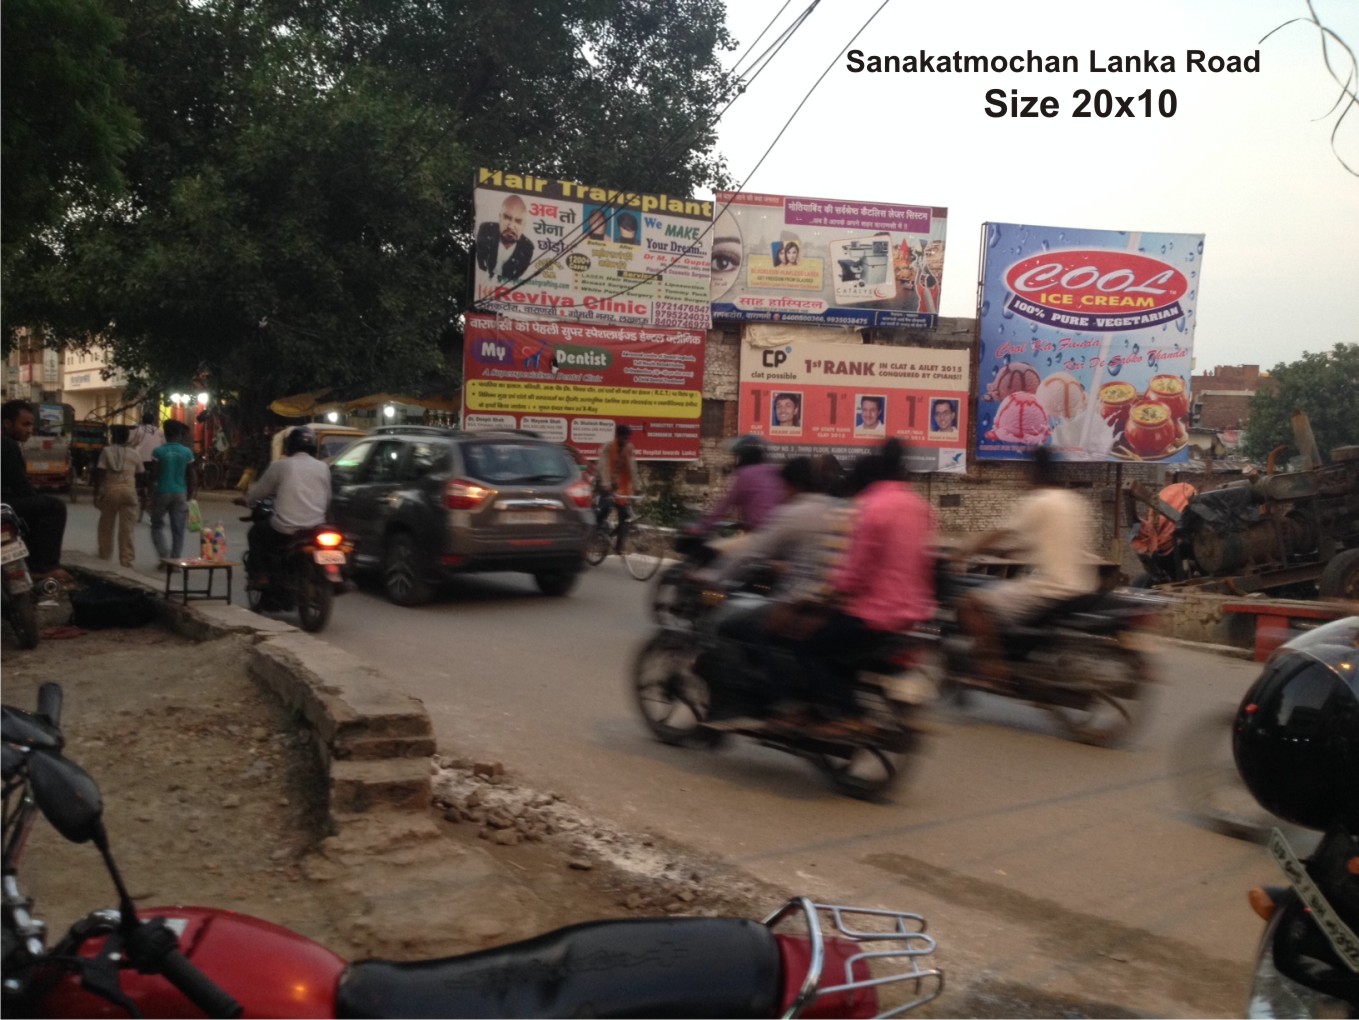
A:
(502, 249)
(944, 418)
(870, 415)
(786, 412)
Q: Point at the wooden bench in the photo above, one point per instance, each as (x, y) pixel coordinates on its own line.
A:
(1279, 620)
(187, 567)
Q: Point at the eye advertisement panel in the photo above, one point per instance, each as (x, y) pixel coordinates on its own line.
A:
(1087, 340)
(825, 261)
(558, 249)
(577, 381)
(814, 396)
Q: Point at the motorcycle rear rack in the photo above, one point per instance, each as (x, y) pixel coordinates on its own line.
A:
(905, 945)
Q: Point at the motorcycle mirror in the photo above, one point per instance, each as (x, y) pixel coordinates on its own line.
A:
(67, 796)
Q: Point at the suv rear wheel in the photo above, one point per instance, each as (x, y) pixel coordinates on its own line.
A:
(401, 572)
(556, 582)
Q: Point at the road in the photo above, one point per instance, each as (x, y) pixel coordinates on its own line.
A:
(1040, 861)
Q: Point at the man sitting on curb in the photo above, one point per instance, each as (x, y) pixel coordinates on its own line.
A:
(43, 515)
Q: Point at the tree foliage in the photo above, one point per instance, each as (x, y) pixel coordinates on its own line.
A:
(299, 213)
(63, 127)
(1325, 385)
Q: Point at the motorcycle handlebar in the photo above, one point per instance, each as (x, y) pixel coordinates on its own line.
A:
(197, 987)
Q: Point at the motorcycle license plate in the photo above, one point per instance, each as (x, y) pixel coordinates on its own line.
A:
(13, 550)
(329, 557)
(527, 517)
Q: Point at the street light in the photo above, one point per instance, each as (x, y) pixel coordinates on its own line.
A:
(332, 416)
(203, 398)
(389, 411)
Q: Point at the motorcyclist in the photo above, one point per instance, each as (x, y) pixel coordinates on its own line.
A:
(616, 474)
(884, 585)
(300, 487)
(1050, 531)
(755, 491)
(801, 543)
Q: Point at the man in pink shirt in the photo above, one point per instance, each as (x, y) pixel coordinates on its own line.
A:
(884, 585)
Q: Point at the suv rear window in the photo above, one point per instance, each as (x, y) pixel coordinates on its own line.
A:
(515, 462)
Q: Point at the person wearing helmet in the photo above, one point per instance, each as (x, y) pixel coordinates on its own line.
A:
(755, 492)
(300, 487)
(1296, 737)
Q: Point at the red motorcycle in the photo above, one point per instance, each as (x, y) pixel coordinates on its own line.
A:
(180, 961)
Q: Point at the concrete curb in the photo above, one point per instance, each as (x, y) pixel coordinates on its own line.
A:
(375, 743)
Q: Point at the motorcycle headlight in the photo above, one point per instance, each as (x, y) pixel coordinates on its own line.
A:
(1273, 994)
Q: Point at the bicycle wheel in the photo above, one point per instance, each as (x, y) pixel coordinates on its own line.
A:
(643, 550)
(212, 475)
(597, 546)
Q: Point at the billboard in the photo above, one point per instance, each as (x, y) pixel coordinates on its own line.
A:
(576, 381)
(824, 261)
(1087, 340)
(557, 249)
(812, 396)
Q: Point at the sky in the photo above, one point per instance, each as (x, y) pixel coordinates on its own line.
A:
(1246, 160)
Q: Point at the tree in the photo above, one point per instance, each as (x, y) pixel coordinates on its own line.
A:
(63, 127)
(299, 214)
(1324, 385)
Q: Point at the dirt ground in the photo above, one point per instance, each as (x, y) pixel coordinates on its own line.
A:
(213, 796)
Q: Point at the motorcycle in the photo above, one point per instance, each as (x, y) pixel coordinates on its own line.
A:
(169, 961)
(20, 603)
(1082, 660)
(306, 574)
(677, 598)
(1295, 741)
(696, 683)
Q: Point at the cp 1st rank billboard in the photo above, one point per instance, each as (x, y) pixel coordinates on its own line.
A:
(1087, 341)
(558, 249)
(577, 381)
(807, 396)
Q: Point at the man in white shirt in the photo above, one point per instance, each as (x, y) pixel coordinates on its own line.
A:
(1050, 531)
(300, 486)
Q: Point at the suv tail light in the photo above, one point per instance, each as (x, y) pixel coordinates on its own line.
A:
(464, 494)
(581, 493)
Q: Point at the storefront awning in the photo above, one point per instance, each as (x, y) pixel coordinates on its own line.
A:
(305, 405)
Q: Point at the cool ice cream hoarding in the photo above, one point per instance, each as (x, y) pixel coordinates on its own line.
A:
(577, 381)
(1087, 341)
(550, 248)
(807, 397)
(826, 261)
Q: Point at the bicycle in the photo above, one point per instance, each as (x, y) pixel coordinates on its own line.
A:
(642, 546)
(220, 470)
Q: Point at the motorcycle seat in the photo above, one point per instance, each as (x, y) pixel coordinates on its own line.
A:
(685, 966)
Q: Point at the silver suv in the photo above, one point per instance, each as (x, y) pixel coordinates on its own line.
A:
(421, 503)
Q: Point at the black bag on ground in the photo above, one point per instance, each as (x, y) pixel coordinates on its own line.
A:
(99, 605)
